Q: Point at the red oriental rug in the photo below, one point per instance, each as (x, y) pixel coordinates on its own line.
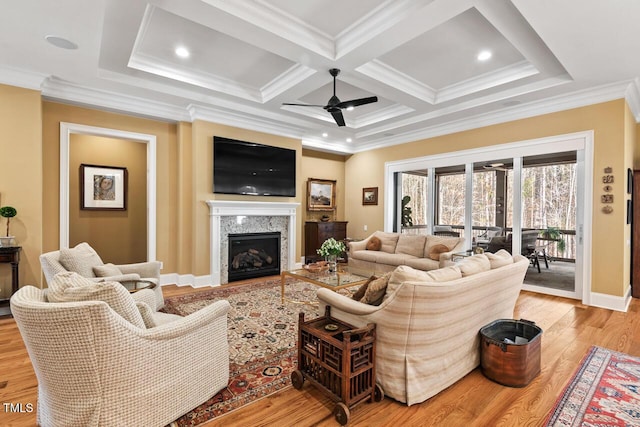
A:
(262, 338)
(604, 391)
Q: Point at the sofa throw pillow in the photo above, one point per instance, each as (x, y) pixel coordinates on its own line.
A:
(106, 270)
(388, 241)
(80, 259)
(499, 259)
(436, 250)
(374, 244)
(357, 296)
(376, 290)
(432, 241)
(71, 287)
(474, 264)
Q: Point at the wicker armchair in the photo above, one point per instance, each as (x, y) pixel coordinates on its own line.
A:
(96, 368)
(87, 258)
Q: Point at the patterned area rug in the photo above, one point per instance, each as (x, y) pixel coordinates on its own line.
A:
(605, 391)
(262, 341)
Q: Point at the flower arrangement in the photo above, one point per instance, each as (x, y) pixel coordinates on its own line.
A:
(331, 247)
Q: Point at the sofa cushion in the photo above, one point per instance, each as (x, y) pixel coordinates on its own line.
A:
(474, 264)
(71, 287)
(389, 241)
(106, 270)
(432, 241)
(374, 294)
(423, 264)
(411, 245)
(445, 274)
(499, 259)
(392, 259)
(436, 250)
(374, 244)
(357, 296)
(80, 259)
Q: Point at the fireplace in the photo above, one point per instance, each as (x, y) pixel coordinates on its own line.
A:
(253, 255)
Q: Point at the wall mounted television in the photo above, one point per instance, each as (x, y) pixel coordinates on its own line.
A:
(248, 168)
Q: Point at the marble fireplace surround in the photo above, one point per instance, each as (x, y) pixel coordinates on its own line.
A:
(223, 215)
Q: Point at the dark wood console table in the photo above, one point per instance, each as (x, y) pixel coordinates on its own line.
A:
(10, 255)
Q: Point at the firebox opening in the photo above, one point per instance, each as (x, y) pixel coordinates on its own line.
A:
(253, 255)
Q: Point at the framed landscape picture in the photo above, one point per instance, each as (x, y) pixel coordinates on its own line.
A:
(103, 187)
(321, 194)
(370, 196)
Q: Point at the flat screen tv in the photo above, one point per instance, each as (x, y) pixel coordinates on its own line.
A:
(248, 168)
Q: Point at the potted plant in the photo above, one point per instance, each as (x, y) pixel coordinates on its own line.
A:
(554, 234)
(407, 221)
(7, 212)
(330, 250)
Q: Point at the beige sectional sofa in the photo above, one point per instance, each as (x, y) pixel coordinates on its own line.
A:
(427, 326)
(422, 252)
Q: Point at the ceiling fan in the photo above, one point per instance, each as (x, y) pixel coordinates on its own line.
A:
(335, 106)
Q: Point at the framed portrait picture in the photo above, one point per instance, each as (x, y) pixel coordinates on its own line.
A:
(321, 194)
(370, 196)
(103, 187)
(629, 181)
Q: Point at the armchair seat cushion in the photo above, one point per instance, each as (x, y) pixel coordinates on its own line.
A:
(71, 287)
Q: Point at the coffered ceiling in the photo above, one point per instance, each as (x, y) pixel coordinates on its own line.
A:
(248, 57)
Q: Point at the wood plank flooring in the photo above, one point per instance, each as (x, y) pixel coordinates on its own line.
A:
(570, 328)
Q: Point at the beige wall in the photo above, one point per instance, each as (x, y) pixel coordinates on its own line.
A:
(607, 120)
(21, 179)
(98, 227)
(166, 161)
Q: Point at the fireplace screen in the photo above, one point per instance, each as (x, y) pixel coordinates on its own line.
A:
(253, 255)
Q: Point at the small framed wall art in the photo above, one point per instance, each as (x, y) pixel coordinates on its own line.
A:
(370, 196)
(321, 194)
(103, 187)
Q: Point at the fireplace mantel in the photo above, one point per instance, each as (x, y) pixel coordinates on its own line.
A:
(223, 208)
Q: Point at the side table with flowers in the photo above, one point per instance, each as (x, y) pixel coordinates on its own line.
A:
(330, 250)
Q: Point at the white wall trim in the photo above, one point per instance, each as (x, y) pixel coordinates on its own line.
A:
(220, 208)
(611, 302)
(66, 130)
(185, 280)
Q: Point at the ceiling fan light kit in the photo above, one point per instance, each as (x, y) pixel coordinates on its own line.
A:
(335, 106)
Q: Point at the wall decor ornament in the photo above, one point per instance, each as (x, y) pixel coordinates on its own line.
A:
(370, 196)
(321, 194)
(103, 187)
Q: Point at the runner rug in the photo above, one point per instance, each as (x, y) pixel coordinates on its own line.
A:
(604, 391)
(262, 341)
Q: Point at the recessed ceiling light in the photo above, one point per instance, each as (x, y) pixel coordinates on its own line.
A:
(484, 55)
(182, 52)
(61, 42)
(349, 140)
(325, 134)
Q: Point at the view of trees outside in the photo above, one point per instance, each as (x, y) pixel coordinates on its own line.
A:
(416, 186)
(548, 199)
(484, 199)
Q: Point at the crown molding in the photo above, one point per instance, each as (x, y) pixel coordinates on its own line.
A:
(56, 89)
(550, 105)
(243, 120)
(632, 95)
(286, 26)
(489, 80)
(294, 75)
(386, 74)
(21, 78)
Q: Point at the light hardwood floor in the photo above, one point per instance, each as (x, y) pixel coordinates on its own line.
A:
(570, 328)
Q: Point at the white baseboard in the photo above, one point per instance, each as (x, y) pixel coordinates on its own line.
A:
(610, 301)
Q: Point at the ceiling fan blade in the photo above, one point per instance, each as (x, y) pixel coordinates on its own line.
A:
(337, 116)
(357, 102)
(303, 105)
